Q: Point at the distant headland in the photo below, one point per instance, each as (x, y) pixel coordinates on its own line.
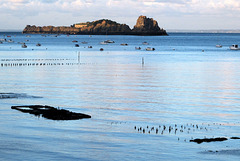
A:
(144, 26)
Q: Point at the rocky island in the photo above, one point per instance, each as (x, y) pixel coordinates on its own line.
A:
(144, 26)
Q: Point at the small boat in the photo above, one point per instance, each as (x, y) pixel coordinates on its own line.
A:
(10, 40)
(84, 42)
(101, 49)
(124, 44)
(103, 43)
(74, 41)
(150, 49)
(109, 41)
(145, 43)
(218, 46)
(234, 47)
(89, 46)
(138, 48)
(38, 44)
(76, 45)
(24, 45)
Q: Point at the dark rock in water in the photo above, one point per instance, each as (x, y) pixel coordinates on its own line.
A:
(234, 137)
(199, 141)
(50, 112)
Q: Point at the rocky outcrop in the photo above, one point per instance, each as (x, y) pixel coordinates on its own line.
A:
(49, 112)
(149, 26)
(144, 26)
(50, 30)
(105, 27)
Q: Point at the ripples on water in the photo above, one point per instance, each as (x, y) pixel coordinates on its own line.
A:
(180, 87)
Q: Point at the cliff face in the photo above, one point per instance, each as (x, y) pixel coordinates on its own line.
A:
(144, 26)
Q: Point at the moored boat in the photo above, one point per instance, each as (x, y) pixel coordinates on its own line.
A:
(103, 43)
(24, 45)
(150, 49)
(234, 47)
(10, 40)
(138, 48)
(3, 40)
(145, 43)
(38, 44)
(107, 42)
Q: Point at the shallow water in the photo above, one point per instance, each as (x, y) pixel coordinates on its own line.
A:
(186, 83)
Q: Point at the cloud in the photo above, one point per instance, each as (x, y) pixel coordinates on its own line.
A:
(123, 11)
(160, 6)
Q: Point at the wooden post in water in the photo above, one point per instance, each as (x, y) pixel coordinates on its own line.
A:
(79, 57)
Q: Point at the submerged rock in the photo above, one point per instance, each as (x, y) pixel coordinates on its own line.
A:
(49, 112)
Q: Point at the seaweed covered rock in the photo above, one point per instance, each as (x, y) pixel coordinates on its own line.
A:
(49, 112)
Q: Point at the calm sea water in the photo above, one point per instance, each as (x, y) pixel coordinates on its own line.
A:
(185, 89)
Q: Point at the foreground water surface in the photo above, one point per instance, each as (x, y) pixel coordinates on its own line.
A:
(145, 105)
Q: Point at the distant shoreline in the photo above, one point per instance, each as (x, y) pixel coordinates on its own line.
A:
(203, 31)
(169, 31)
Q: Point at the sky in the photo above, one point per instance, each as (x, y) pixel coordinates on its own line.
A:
(170, 14)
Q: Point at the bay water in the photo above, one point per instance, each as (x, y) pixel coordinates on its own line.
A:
(145, 105)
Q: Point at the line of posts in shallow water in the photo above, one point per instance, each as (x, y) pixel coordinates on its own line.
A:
(34, 64)
(10, 62)
(178, 130)
(54, 59)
